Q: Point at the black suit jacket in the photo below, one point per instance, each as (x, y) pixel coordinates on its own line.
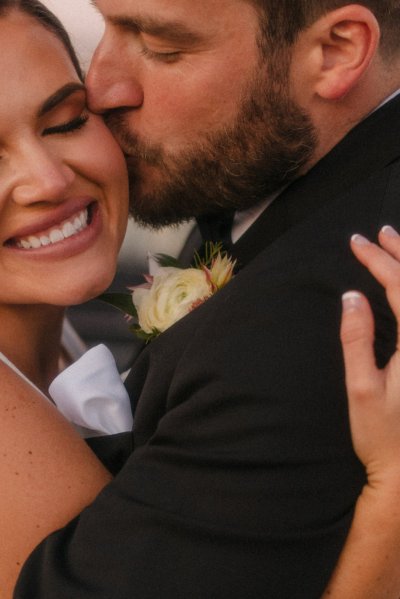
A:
(243, 479)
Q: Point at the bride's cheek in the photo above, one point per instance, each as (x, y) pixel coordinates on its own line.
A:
(105, 160)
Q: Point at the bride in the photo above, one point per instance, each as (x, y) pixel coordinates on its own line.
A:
(63, 193)
(63, 203)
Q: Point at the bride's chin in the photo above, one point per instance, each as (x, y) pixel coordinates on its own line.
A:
(80, 293)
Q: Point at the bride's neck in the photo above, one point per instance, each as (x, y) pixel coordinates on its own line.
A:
(30, 338)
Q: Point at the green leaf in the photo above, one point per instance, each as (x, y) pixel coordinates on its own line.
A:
(211, 251)
(147, 337)
(166, 260)
(121, 301)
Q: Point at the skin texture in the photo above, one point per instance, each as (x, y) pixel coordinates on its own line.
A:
(45, 483)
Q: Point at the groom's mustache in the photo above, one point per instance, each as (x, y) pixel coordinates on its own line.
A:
(133, 148)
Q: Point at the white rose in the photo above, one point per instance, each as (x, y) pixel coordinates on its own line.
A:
(173, 294)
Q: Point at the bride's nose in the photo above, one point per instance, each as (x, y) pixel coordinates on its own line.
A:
(41, 177)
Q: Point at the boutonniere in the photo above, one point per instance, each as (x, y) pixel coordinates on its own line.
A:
(173, 291)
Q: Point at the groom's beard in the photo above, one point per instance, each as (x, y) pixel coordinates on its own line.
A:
(267, 146)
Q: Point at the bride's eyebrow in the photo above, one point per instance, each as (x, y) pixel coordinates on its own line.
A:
(59, 96)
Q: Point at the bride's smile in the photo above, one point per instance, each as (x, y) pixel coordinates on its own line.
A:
(56, 234)
(60, 235)
(63, 187)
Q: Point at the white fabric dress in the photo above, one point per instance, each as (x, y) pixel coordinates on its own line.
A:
(90, 394)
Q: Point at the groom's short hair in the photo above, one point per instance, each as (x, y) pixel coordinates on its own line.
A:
(283, 20)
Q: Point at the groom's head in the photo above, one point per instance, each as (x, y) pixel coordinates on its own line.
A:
(218, 103)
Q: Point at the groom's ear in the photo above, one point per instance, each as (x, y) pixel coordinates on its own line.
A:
(338, 49)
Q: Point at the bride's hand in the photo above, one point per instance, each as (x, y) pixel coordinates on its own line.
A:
(374, 394)
(368, 567)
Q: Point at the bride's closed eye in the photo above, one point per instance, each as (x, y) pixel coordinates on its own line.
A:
(69, 126)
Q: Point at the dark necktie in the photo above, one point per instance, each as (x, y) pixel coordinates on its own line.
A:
(217, 228)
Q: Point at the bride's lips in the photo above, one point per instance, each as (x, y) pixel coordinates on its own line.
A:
(67, 230)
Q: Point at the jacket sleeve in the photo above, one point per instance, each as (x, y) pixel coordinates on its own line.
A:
(243, 479)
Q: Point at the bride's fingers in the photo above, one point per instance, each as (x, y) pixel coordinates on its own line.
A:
(390, 240)
(357, 336)
(381, 264)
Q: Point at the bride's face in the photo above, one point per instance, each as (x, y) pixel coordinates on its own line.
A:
(63, 184)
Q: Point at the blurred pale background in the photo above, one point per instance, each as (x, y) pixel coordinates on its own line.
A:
(83, 22)
(96, 321)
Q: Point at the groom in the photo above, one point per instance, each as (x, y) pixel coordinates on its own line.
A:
(284, 115)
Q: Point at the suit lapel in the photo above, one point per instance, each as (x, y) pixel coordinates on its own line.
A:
(370, 146)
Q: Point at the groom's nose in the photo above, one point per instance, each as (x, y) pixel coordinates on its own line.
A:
(113, 81)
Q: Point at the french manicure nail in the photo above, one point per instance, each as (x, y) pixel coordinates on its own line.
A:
(360, 240)
(389, 231)
(351, 300)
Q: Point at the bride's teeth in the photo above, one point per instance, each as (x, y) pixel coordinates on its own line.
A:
(84, 217)
(34, 242)
(66, 230)
(44, 240)
(56, 235)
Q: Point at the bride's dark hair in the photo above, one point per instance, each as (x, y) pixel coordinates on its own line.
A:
(47, 19)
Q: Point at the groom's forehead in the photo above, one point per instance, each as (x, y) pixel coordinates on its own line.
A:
(156, 8)
(182, 22)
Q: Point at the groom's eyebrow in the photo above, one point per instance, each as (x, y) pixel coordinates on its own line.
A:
(173, 31)
(59, 96)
